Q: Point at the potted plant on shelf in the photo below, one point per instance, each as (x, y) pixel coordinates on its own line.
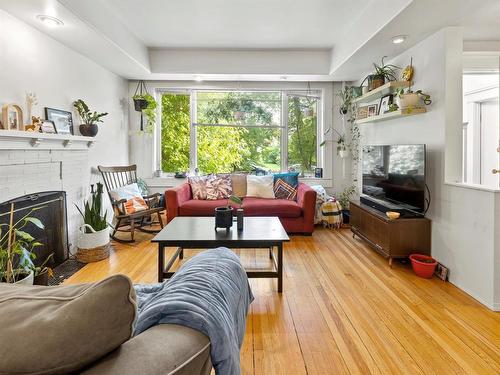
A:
(90, 119)
(383, 73)
(16, 249)
(93, 238)
(408, 99)
(343, 199)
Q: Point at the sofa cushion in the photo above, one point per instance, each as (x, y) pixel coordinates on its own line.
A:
(291, 178)
(283, 190)
(239, 182)
(260, 186)
(198, 207)
(61, 329)
(219, 188)
(271, 207)
(162, 349)
(200, 185)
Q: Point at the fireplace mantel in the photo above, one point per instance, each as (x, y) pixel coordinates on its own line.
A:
(24, 140)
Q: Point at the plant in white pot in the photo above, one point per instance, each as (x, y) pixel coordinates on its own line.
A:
(93, 239)
(16, 249)
(408, 99)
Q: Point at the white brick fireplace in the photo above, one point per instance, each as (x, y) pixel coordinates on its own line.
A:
(33, 162)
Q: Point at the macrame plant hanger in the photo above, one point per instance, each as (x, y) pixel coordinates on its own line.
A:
(139, 102)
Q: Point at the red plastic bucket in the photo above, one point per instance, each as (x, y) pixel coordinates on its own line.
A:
(423, 265)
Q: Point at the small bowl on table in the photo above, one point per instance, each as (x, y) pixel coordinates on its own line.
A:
(392, 215)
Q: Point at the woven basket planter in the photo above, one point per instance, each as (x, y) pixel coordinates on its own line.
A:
(94, 246)
(93, 255)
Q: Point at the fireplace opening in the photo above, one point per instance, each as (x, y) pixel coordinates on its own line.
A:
(50, 208)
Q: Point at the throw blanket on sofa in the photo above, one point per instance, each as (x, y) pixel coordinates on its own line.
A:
(209, 293)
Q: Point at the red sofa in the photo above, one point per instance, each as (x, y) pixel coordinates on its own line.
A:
(296, 216)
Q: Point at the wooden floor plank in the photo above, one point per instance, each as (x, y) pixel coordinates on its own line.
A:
(343, 311)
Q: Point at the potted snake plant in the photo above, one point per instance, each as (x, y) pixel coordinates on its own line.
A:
(94, 233)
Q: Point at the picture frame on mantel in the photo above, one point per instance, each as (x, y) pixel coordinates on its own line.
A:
(48, 127)
(63, 120)
(12, 117)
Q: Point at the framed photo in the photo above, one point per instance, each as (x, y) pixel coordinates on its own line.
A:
(372, 110)
(12, 117)
(48, 127)
(63, 121)
(441, 272)
(362, 112)
(385, 101)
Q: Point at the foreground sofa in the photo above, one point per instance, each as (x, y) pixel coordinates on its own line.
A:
(296, 216)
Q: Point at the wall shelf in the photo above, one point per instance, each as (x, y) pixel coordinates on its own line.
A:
(16, 140)
(393, 115)
(381, 91)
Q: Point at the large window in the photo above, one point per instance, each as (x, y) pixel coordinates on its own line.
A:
(227, 131)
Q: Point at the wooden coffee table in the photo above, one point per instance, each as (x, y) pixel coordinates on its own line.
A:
(199, 233)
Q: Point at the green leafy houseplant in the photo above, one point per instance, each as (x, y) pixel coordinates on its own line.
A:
(149, 110)
(92, 210)
(16, 248)
(383, 73)
(345, 196)
(346, 97)
(90, 119)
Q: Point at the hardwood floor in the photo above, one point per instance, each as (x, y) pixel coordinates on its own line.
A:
(344, 311)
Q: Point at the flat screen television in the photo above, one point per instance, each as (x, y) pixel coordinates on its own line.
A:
(394, 176)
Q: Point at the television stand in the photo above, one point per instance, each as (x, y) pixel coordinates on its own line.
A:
(391, 238)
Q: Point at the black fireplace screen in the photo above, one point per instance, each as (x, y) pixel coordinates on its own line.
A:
(50, 208)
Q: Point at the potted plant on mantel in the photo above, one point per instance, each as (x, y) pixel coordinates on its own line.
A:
(16, 250)
(93, 238)
(90, 119)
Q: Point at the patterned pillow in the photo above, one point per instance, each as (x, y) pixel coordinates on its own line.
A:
(283, 190)
(291, 178)
(132, 194)
(220, 188)
(200, 185)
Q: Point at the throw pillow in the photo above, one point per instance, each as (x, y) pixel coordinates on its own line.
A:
(220, 188)
(200, 185)
(260, 186)
(239, 183)
(291, 178)
(62, 329)
(133, 195)
(283, 190)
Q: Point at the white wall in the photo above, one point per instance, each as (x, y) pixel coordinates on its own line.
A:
(463, 219)
(30, 61)
(142, 146)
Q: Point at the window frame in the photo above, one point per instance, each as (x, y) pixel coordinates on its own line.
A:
(285, 93)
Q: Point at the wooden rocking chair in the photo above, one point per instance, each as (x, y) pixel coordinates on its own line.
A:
(115, 177)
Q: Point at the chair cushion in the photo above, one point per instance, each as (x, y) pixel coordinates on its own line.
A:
(198, 207)
(271, 207)
(133, 195)
(61, 329)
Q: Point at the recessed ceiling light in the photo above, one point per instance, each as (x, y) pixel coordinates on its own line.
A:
(284, 78)
(49, 20)
(398, 39)
(198, 78)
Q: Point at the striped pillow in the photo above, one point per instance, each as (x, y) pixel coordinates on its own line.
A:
(283, 190)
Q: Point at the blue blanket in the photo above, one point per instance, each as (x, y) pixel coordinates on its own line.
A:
(209, 293)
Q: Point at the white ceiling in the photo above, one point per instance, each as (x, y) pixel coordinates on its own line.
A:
(238, 23)
(296, 40)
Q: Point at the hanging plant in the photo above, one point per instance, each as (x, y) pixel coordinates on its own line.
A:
(346, 97)
(146, 104)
